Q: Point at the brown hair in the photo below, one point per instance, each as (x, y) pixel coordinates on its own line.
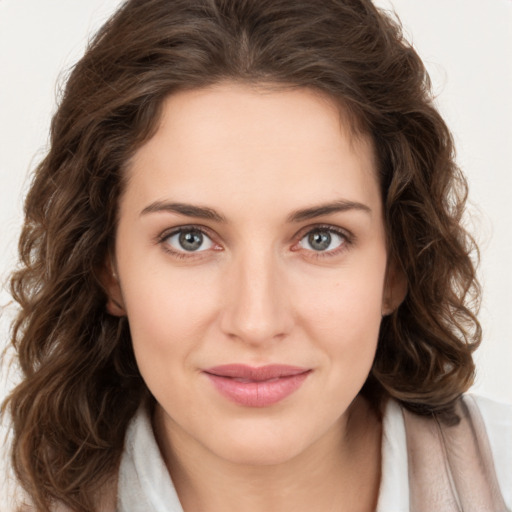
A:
(80, 382)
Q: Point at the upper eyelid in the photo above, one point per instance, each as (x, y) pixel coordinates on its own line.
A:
(327, 227)
(304, 230)
(166, 233)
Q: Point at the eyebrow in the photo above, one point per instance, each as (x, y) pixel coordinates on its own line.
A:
(203, 212)
(341, 205)
(188, 210)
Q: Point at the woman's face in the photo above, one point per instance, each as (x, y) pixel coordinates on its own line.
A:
(252, 267)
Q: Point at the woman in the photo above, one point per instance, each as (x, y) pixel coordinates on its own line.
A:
(245, 284)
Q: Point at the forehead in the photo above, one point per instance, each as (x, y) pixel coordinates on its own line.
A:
(233, 140)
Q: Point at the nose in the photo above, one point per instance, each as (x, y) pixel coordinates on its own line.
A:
(257, 309)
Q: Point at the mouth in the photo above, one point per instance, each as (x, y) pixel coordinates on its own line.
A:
(257, 386)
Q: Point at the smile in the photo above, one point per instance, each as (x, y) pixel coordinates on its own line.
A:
(257, 386)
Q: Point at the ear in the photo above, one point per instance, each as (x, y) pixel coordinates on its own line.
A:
(395, 288)
(110, 281)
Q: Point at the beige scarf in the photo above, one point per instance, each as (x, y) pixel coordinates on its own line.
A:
(451, 467)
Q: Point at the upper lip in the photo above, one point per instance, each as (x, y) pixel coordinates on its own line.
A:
(256, 373)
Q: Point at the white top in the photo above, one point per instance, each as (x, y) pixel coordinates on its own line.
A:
(145, 484)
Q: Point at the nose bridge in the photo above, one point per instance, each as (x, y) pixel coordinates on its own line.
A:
(256, 308)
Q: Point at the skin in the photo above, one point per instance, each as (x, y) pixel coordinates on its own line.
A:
(256, 292)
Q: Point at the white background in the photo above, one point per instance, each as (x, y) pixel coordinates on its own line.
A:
(466, 45)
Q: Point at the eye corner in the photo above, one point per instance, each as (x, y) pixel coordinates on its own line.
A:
(295, 247)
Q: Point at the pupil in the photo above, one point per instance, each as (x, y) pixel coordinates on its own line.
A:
(191, 240)
(320, 240)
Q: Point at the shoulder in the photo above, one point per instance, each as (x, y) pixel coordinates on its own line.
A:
(497, 419)
(420, 445)
(497, 416)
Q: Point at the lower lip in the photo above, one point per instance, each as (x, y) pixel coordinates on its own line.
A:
(258, 393)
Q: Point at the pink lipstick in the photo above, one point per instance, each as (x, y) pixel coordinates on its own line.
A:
(257, 386)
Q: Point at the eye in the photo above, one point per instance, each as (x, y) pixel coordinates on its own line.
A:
(323, 240)
(188, 240)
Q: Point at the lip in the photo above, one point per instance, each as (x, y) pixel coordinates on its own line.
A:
(260, 386)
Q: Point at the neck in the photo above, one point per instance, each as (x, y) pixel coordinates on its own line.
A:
(341, 471)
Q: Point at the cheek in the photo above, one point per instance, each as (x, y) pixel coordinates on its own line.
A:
(348, 303)
(169, 315)
(347, 329)
(343, 314)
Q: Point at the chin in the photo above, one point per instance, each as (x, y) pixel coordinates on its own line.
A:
(261, 453)
(261, 446)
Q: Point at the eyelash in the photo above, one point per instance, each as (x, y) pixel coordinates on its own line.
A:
(162, 241)
(348, 241)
